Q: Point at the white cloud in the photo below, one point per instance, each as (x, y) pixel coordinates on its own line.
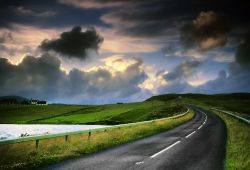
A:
(28, 12)
(91, 4)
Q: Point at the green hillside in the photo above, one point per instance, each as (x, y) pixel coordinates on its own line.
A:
(154, 107)
(89, 114)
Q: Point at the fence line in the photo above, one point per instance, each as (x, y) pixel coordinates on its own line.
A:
(233, 115)
(66, 135)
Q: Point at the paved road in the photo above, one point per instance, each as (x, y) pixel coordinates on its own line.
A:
(197, 144)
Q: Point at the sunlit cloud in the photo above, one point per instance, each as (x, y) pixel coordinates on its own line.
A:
(113, 42)
(154, 80)
(117, 62)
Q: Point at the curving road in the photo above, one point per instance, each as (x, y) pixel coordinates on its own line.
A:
(197, 144)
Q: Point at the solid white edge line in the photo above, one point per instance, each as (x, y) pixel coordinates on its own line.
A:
(165, 149)
(190, 134)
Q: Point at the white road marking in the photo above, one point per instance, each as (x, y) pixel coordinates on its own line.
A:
(158, 153)
(204, 121)
(138, 163)
(190, 134)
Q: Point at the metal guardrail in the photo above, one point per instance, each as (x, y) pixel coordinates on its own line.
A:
(233, 115)
(37, 138)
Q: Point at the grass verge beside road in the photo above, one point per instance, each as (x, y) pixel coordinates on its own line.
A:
(25, 155)
(238, 148)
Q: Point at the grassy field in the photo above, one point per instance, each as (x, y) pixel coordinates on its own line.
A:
(17, 113)
(89, 114)
(57, 149)
(155, 107)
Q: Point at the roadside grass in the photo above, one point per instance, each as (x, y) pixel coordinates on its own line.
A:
(25, 155)
(238, 147)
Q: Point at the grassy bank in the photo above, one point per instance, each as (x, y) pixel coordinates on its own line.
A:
(88, 114)
(238, 148)
(24, 155)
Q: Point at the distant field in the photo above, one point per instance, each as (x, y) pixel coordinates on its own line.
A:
(236, 102)
(89, 114)
(17, 113)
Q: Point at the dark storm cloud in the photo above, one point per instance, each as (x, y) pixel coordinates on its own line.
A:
(45, 14)
(182, 71)
(36, 77)
(75, 43)
(157, 17)
(42, 78)
(243, 53)
(132, 17)
(207, 31)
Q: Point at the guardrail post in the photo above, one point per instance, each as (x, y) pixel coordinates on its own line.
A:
(89, 135)
(37, 143)
(66, 138)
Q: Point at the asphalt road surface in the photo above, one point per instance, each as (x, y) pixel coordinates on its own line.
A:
(197, 144)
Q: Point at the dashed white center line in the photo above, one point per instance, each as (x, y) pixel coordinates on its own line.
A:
(190, 134)
(158, 153)
(138, 163)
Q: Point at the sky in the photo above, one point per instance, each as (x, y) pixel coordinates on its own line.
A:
(109, 51)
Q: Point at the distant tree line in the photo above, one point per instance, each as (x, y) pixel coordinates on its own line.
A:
(16, 101)
(13, 101)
